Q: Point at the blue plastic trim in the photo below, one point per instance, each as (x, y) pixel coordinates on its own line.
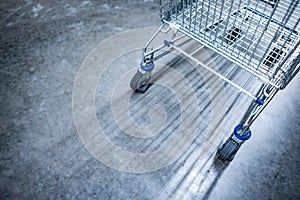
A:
(241, 137)
(260, 101)
(148, 67)
(272, 20)
(167, 43)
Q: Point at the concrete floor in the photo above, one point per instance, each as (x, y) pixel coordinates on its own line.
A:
(44, 43)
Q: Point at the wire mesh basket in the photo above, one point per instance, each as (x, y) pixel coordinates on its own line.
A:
(260, 36)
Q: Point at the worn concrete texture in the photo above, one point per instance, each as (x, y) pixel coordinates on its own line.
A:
(43, 44)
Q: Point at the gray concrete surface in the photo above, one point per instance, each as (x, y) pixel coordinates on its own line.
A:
(43, 44)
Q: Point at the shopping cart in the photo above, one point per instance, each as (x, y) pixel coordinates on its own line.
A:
(260, 36)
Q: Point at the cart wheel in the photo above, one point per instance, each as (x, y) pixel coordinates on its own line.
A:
(228, 150)
(139, 82)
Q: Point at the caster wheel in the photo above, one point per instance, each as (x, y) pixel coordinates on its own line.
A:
(228, 150)
(139, 82)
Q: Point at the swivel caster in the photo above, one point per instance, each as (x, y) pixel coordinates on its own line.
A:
(140, 81)
(228, 150)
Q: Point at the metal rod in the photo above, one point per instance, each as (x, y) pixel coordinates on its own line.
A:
(213, 71)
(151, 39)
(163, 46)
(197, 49)
(248, 81)
(230, 70)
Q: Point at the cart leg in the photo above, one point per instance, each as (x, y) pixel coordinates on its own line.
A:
(140, 81)
(242, 132)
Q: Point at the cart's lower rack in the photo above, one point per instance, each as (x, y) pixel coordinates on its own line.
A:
(199, 63)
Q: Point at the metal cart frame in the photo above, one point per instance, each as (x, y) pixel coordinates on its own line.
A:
(260, 36)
